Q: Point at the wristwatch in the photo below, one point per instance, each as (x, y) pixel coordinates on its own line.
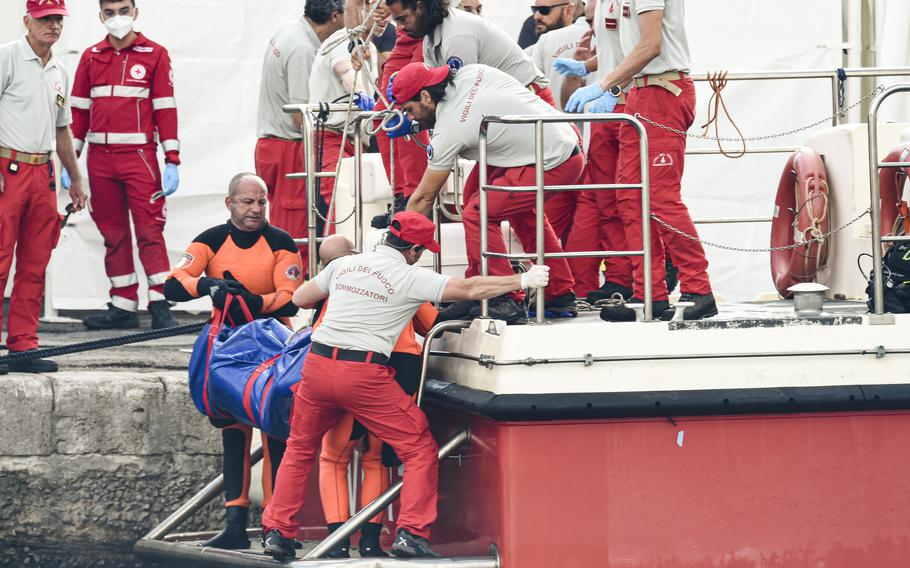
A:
(615, 90)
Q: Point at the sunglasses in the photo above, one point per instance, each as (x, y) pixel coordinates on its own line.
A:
(545, 10)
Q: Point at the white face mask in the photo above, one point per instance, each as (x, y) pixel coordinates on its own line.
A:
(119, 26)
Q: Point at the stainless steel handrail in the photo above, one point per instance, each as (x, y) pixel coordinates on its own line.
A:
(380, 503)
(308, 131)
(878, 293)
(437, 331)
(539, 188)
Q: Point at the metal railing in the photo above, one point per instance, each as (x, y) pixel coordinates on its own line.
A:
(878, 292)
(308, 113)
(539, 188)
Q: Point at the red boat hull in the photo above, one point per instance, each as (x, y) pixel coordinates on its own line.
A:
(825, 490)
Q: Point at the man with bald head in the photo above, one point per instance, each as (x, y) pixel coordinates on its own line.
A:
(250, 259)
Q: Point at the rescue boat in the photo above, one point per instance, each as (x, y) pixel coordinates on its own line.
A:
(773, 434)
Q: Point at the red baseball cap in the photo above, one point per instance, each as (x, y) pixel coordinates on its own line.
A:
(42, 8)
(414, 77)
(416, 229)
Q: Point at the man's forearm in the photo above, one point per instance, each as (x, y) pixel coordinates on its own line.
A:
(486, 287)
(67, 153)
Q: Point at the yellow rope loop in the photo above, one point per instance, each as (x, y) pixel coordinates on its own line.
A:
(717, 82)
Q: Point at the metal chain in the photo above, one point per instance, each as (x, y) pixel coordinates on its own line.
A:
(840, 114)
(818, 239)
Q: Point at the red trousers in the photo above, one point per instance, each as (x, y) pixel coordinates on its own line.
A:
(327, 390)
(123, 183)
(666, 157)
(275, 158)
(597, 224)
(518, 209)
(331, 154)
(30, 225)
(410, 159)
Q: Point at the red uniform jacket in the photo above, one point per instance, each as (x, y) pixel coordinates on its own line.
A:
(120, 98)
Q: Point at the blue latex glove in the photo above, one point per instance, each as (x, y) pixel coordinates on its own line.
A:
(605, 103)
(570, 67)
(171, 179)
(364, 101)
(397, 130)
(65, 179)
(388, 90)
(583, 96)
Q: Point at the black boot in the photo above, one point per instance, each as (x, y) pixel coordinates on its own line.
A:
(277, 546)
(624, 313)
(161, 315)
(4, 369)
(705, 307)
(369, 541)
(31, 365)
(409, 545)
(554, 308)
(504, 308)
(399, 204)
(607, 292)
(113, 318)
(342, 549)
(234, 536)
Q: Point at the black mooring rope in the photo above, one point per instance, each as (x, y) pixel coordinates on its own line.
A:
(186, 329)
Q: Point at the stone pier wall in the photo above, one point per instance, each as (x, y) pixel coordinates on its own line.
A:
(91, 460)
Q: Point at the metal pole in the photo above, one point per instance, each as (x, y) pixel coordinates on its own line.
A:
(437, 330)
(380, 503)
(437, 257)
(482, 164)
(645, 219)
(835, 99)
(878, 303)
(196, 502)
(309, 155)
(358, 186)
(539, 225)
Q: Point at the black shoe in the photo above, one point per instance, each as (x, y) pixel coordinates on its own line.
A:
(705, 307)
(409, 545)
(161, 315)
(369, 541)
(399, 204)
(608, 291)
(457, 310)
(234, 536)
(113, 318)
(31, 365)
(4, 369)
(504, 308)
(560, 307)
(277, 546)
(342, 549)
(623, 313)
(672, 278)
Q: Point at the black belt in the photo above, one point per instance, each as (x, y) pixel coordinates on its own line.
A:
(348, 354)
(576, 151)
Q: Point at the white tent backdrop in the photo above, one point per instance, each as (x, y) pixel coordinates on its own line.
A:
(217, 47)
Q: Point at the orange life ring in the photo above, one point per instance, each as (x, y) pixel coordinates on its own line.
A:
(800, 215)
(895, 217)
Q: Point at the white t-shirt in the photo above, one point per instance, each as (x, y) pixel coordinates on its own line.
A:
(463, 38)
(478, 91)
(325, 84)
(560, 43)
(607, 19)
(34, 99)
(286, 78)
(674, 55)
(372, 296)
